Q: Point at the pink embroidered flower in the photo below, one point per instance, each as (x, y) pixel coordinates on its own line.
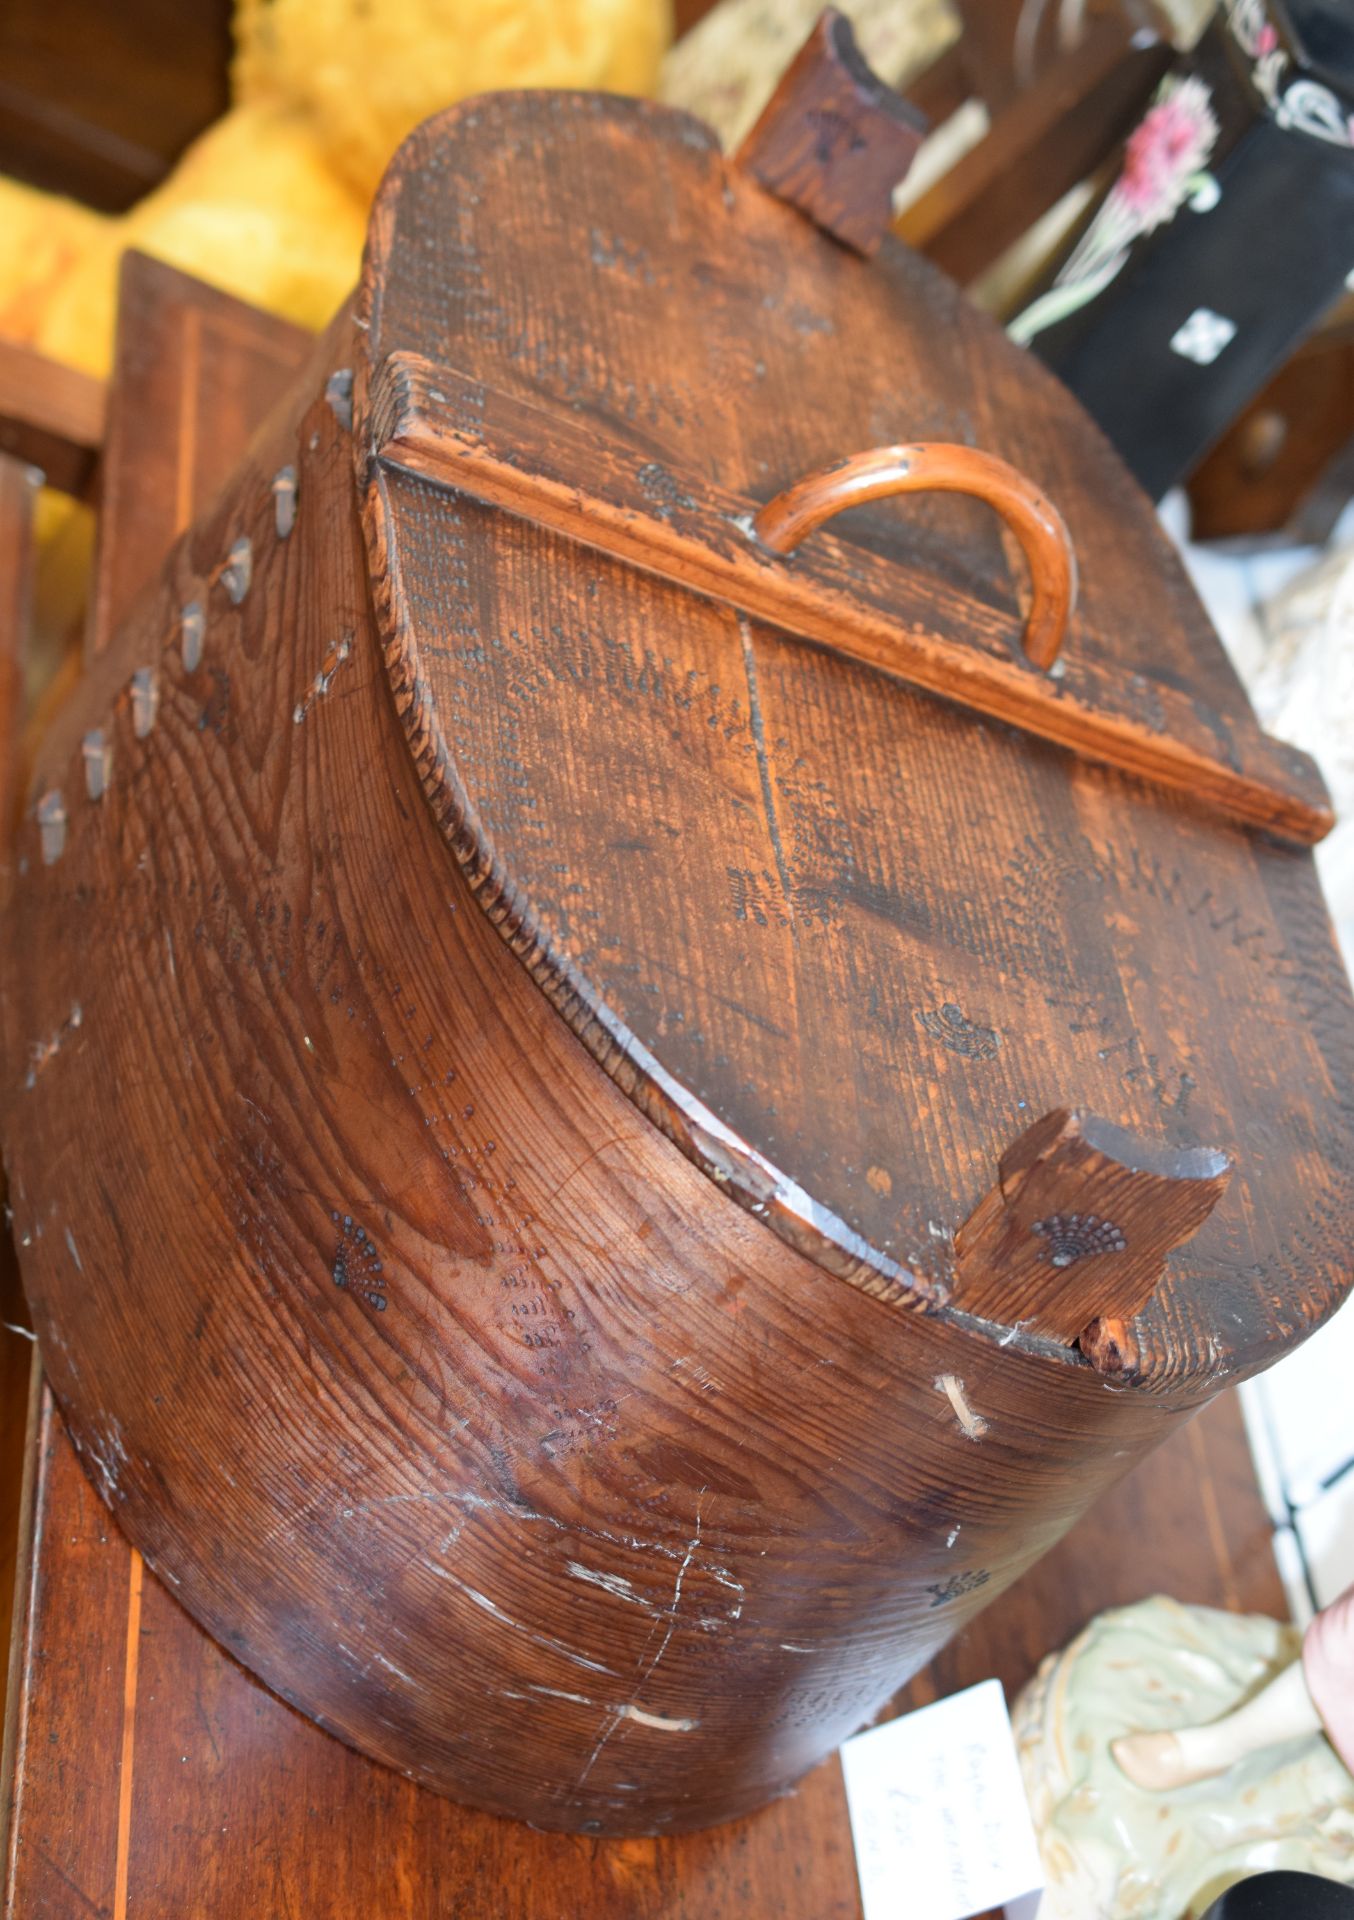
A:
(1163, 167)
(1165, 151)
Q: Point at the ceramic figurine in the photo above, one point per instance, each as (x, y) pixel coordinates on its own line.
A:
(1112, 1849)
(1313, 1694)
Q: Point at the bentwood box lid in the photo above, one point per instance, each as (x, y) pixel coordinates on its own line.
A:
(842, 886)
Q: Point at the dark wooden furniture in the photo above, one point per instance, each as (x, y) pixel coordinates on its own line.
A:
(98, 101)
(152, 1777)
(1283, 472)
(51, 417)
(514, 1295)
(1060, 102)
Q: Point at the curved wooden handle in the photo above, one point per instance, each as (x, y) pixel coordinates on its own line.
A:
(939, 467)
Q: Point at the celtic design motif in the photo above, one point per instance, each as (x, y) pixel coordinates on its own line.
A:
(957, 1586)
(956, 1032)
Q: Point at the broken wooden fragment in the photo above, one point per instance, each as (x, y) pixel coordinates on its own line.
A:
(1078, 1227)
(833, 140)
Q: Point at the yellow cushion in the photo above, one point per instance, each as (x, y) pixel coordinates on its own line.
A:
(41, 238)
(252, 208)
(368, 71)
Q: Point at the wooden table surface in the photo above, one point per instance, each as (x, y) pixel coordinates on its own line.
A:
(154, 1779)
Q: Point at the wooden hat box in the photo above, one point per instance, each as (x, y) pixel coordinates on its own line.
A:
(612, 1126)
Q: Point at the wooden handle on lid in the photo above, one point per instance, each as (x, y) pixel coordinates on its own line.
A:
(938, 467)
(666, 517)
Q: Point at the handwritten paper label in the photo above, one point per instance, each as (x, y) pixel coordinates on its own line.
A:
(939, 1816)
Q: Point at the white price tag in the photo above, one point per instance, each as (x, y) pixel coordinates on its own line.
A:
(941, 1825)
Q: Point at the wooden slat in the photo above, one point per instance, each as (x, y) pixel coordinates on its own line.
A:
(62, 1763)
(98, 101)
(51, 417)
(194, 371)
(551, 468)
(20, 1387)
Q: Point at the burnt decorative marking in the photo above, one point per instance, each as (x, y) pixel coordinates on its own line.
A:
(51, 818)
(192, 629)
(626, 257)
(958, 1584)
(145, 700)
(1071, 1236)
(357, 1264)
(284, 501)
(958, 1034)
(662, 490)
(238, 571)
(97, 752)
(833, 135)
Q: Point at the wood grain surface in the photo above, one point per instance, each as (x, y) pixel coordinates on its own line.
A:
(443, 1388)
(1100, 1207)
(465, 1417)
(548, 468)
(833, 140)
(156, 1779)
(855, 938)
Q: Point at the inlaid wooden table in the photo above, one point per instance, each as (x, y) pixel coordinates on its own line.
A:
(154, 1779)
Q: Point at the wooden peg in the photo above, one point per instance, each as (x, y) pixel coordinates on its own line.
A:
(1079, 1224)
(833, 140)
